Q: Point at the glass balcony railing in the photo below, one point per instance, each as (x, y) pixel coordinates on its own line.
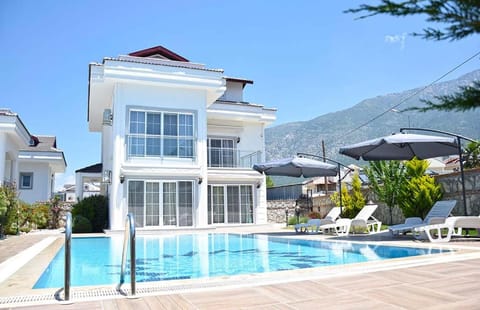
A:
(232, 158)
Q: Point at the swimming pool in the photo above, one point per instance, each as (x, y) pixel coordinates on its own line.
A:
(96, 261)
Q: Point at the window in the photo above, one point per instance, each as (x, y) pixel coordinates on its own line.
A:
(161, 203)
(230, 204)
(26, 180)
(160, 134)
(221, 153)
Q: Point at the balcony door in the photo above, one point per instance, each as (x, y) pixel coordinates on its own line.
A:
(221, 152)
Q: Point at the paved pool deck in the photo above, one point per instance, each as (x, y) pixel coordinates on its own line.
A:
(439, 281)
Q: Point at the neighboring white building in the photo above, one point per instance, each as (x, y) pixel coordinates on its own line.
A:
(29, 161)
(178, 142)
(87, 181)
(68, 192)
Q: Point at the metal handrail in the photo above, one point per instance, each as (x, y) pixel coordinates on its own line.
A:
(129, 236)
(68, 254)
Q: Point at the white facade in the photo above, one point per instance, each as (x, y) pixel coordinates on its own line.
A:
(173, 153)
(30, 162)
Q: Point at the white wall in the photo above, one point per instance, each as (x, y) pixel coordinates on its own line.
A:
(129, 96)
(41, 190)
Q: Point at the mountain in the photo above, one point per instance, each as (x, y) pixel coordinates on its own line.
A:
(340, 128)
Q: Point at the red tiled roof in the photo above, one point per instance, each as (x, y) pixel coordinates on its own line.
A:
(159, 50)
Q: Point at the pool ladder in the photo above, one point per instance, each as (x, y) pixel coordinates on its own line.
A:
(68, 255)
(129, 236)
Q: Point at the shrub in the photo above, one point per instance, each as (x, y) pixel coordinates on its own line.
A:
(81, 225)
(40, 215)
(95, 209)
(352, 201)
(293, 220)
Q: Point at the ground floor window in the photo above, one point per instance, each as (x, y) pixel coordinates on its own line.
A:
(161, 203)
(230, 204)
(26, 180)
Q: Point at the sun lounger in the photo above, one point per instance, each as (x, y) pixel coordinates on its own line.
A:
(363, 220)
(452, 225)
(313, 224)
(341, 227)
(437, 215)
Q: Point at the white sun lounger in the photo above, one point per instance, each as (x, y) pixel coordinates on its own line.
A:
(453, 225)
(313, 224)
(437, 215)
(364, 219)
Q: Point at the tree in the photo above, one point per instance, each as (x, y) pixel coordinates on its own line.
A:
(386, 179)
(460, 19)
(471, 155)
(420, 191)
(353, 201)
(269, 181)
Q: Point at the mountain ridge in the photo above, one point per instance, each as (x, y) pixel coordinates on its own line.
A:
(343, 127)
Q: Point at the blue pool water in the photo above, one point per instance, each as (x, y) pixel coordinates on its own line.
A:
(97, 261)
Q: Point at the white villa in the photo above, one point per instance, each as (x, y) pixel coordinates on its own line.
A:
(178, 142)
(30, 162)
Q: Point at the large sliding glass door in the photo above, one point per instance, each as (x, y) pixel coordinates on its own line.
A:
(161, 203)
(230, 204)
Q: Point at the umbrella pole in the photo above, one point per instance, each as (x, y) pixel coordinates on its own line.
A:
(464, 196)
(340, 187)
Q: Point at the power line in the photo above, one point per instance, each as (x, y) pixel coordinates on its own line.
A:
(410, 96)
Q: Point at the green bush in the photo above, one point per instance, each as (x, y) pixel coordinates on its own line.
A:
(81, 225)
(293, 220)
(95, 209)
(40, 215)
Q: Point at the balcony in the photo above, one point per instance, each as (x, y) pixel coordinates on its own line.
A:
(232, 158)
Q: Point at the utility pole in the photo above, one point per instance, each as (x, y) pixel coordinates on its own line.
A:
(325, 179)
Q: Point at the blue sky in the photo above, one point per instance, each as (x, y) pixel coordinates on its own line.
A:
(307, 58)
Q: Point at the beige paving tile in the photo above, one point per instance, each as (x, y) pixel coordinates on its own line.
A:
(229, 299)
(411, 296)
(458, 286)
(168, 302)
(293, 291)
(340, 301)
(359, 282)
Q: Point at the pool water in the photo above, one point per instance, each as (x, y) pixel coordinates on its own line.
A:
(97, 261)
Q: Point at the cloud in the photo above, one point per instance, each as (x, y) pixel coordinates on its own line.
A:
(397, 38)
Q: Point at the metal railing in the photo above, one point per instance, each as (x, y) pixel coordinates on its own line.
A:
(232, 158)
(129, 237)
(68, 254)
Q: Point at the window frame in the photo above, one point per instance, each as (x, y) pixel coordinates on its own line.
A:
(180, 144)
(21, 176)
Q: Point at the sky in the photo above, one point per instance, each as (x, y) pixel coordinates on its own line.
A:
(306, 58)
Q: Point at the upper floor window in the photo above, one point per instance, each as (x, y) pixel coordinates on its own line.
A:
(158, 134)
(26, 180)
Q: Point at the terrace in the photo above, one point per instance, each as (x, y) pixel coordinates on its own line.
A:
(434, 281)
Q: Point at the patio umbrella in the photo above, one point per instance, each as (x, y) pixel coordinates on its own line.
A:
(297, 167)
(404, 146)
